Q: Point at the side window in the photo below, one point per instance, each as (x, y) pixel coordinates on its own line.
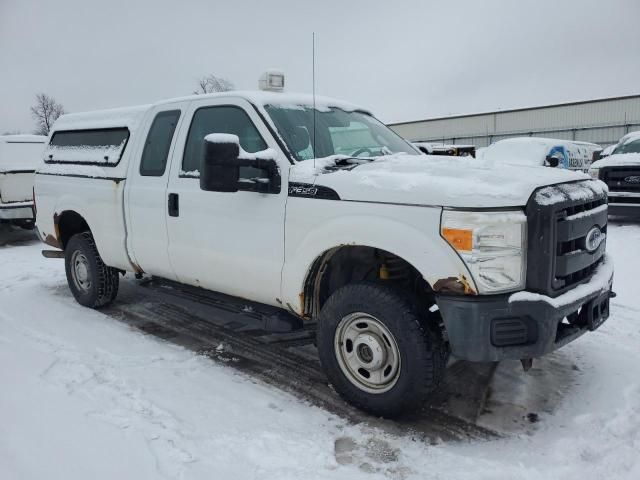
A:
(156, 148)
(223, 119)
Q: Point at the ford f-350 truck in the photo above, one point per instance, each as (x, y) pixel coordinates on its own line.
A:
(400, 260)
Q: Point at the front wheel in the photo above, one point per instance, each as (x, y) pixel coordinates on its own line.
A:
(377, 350)
(92, 283)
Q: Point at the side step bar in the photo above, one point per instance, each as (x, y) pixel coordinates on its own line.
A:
(53, 253)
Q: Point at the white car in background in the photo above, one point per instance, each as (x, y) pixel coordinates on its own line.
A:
(19, 157)
(549, 152)
(621, 172)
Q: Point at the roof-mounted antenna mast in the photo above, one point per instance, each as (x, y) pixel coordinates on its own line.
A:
(313, 92)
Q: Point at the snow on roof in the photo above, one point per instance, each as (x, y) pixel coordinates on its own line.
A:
(22, 138)
(262, 98)
(543, 141)
(128, 117)
(131, 116)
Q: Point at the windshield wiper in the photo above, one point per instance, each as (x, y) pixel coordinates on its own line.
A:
(348, 160)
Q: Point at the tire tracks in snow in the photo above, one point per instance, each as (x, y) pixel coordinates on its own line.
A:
(288, 360)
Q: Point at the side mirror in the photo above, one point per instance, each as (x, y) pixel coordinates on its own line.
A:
(220, 169)
(553, 161)
(223, 159)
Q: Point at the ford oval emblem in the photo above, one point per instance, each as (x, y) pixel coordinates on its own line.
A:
(593, 239)
(632, 179)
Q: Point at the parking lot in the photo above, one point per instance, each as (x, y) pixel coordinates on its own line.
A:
(186, 386)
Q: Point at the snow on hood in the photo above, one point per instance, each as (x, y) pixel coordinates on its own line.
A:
(619, 159)
(431, 180)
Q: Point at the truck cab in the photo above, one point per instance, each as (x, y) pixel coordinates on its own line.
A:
(312, 205)
(20, 155)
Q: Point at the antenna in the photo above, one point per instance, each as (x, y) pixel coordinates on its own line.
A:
(313, 92)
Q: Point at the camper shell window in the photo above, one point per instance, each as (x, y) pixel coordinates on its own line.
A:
(103, 146)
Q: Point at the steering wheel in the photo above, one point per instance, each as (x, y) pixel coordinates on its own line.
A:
(362, 150)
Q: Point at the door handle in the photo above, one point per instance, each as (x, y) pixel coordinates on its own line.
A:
(174, 206)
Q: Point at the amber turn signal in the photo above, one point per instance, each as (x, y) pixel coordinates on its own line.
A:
(458, 238)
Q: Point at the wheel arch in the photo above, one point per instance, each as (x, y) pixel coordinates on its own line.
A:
(414, 241)
(67, 223)
(346, 264)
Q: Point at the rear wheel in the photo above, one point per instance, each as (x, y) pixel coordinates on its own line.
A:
(378, 351)
(92, 283)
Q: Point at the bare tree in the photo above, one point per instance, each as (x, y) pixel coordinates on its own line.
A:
(45, 112)
(212, 83)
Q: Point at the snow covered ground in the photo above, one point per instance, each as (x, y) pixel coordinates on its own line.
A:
(84, 396)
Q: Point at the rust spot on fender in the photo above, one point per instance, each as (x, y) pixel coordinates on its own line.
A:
(454, 285)
(136, 267)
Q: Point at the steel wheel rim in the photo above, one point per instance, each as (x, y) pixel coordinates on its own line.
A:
(367, 352)
(80, 271)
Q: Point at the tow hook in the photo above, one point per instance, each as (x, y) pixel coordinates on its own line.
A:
(527, 363)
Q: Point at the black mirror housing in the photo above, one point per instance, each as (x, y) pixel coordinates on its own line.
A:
(553, 161)
(220, 169)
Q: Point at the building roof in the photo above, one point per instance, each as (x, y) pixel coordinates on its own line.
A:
(519, 109)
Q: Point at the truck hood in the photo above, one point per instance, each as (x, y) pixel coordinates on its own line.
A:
(430, 180)
(618, 160)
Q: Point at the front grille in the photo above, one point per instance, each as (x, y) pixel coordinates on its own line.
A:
(559, 219)
(621, 179)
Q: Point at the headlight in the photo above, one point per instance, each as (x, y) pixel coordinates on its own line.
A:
(492, 244)
(595, 173)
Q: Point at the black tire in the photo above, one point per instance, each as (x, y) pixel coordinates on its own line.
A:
(422, 352)
(100, 286)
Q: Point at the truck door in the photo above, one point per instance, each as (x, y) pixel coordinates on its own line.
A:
(226, 242)
(147, 206)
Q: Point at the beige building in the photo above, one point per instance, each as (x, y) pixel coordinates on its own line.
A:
(601, 121)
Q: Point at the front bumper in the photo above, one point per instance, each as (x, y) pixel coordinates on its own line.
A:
(524, 324)
(624, 203)
(17, 211)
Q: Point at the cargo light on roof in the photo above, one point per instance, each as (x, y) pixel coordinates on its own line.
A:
(272, 80)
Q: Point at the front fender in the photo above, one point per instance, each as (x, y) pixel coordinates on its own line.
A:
(412, 233)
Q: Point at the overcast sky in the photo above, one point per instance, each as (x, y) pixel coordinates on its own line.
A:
(404, 60)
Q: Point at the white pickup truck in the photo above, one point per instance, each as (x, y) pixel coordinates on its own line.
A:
(401, 260)
(620, 170)
(20, 155)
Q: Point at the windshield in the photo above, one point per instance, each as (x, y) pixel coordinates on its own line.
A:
(337, 132)
(629, 147)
